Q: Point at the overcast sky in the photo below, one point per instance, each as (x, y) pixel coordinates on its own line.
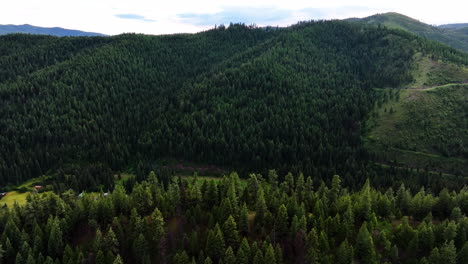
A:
(176, 16)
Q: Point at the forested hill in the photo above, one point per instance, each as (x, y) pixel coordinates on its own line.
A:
(244, 97)
(453, 35)
(54, 31)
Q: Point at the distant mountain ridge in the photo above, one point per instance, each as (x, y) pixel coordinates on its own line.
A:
(454, 35)
(54, 31)
(454, 26)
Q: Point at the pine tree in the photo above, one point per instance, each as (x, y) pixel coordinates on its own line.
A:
(110, 241)
(462, 256)
(30, 260)
(448, 253)
(279, 254)
(243, 252)
(365, 245)
(404, 233)
(118, 260)
(345, 254)
(258, 259)
(2, 252)
(244, 220)
(427, 238)
(270, 257)
(312, 245)
(435, 257)
(97, 241)
(282, 222)
(335, 188)
(208, 261)
(100, 258)
(156, 226)
(181, 258)
(260, 208)
(55, 239)
(229, 257)
(231, 235)
(215, 245)
(140, 248)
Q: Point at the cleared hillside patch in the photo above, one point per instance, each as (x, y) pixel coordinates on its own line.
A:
(423, 128)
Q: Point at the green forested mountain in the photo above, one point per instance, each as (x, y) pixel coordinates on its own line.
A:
(423, 125)
(55, 31)
(451, 35)
(238, 97)
(456, 27)
(102, 118)
(229, 220)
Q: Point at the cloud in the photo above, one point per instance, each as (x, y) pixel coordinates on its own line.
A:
(268, 15)
(247, 15)
(134, 17)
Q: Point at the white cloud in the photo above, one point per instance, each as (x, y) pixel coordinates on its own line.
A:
(162, 17)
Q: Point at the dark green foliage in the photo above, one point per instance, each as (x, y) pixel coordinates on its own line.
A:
(455, 38)
(241, 96)
(365, 245)
(231, 235)
(324, 231)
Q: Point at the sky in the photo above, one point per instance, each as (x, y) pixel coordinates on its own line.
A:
(188, 16)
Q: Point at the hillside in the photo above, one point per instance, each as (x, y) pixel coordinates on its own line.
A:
(54, 31)
(238, 97)
(424, 124)
(443, 34)
(457, 26)
(349, 141)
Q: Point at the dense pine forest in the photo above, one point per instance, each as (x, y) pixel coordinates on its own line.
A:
(233, 220)
(101, 126)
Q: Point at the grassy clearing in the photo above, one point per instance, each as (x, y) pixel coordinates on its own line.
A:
(201, 179)
(121, 178)
(428, 73)
(34, 181)
(422, 126)
(14, 197)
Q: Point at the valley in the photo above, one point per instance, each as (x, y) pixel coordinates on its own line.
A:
(321, 142)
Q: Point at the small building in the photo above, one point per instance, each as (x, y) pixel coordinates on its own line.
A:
(38, 187)
(3, 194)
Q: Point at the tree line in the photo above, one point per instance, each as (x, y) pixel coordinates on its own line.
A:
(230, 220)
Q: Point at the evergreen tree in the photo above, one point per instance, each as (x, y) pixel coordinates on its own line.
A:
(208, 261)
(462, 256)
(215, 245)
(270, 257)
(110, 241)
(345, 254)
(229, 257)
(282, 222)
(140, 248)
(100, 258)
(156, 226)
(231, 235)
(118, 260)
(244, 220)
(181, 258)
(258, 259)
(448, 253)
(55, 244)
(260, 208)
(365, 245)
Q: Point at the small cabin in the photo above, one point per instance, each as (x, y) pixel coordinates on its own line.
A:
(38, 187)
